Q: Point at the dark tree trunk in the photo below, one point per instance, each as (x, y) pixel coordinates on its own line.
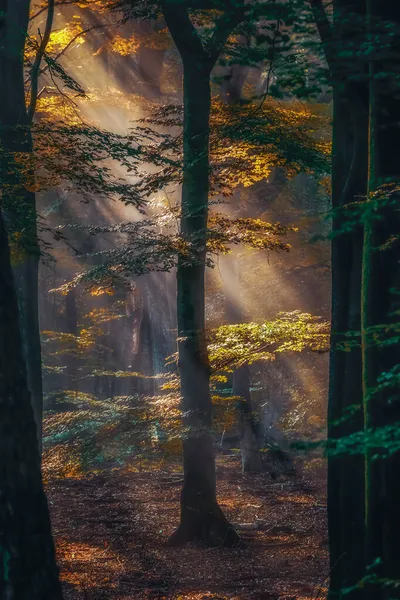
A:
(345, 414)
(18, 202)
(27, 281)
(27, 566)
(381, 300)
(349, 184)
(201, 517)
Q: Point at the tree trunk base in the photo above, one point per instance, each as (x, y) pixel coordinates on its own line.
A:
(207, 525)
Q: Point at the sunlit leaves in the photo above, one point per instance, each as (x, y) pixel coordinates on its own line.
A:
(61, 37)
(231, 346)
(248, 140)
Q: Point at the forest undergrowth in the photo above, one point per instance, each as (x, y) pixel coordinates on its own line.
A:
(111, 529)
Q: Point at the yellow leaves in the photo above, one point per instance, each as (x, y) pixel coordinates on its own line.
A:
(60, 38)
(224, 412)
(101, 291)
(123, 46)
(55, 107)
(247, 141)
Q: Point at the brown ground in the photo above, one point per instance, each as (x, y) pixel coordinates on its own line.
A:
(110, 533)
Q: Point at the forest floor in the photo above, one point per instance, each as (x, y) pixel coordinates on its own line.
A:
(110, 532)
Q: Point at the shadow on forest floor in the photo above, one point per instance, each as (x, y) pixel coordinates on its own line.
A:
(110, 532)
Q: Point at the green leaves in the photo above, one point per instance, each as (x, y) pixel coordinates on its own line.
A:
(231, 346)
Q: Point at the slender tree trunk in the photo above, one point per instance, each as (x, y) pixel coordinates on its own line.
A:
(241, 380)
(71, 318)
(381, 300)
(251, 457)
(232, 85)
(201, 517)
(27, 283)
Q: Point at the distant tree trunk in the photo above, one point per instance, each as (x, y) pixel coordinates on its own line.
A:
(71, 317)
(201, 517)
(27, 565)
(18, 202)
(250, 445)
(349, 184)
(231, 93)
(241, 380)
(233, 82)
(381, 300)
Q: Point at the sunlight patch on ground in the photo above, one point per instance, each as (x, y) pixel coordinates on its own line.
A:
(77, 557)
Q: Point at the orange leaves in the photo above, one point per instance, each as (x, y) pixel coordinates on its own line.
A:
(75, 558)
(123, 46)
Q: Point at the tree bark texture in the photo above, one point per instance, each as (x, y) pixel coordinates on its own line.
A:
(27, 558)
(19, 203)
(201, 517)
(349, 185)
(250, 443)
(381, 300)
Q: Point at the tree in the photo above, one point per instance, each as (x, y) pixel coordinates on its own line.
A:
(201, 517)
(342, 39)
(28, 567)
(18, 196)
(380, 301)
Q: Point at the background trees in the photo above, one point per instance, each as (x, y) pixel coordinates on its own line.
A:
(112, 188)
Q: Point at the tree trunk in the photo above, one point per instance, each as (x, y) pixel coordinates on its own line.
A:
(234, 78)
(27, 566)
(345, 415)
(71, 319)
(250, 445)
(18, 202)
(201, 517)
(381, 301)
(349, 184)
(27, 280)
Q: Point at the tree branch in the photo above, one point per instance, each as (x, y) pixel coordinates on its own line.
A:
(60, 3)
(223, 28)
(182, 29)
(185, 35)
(38, 59)
(324, 29)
